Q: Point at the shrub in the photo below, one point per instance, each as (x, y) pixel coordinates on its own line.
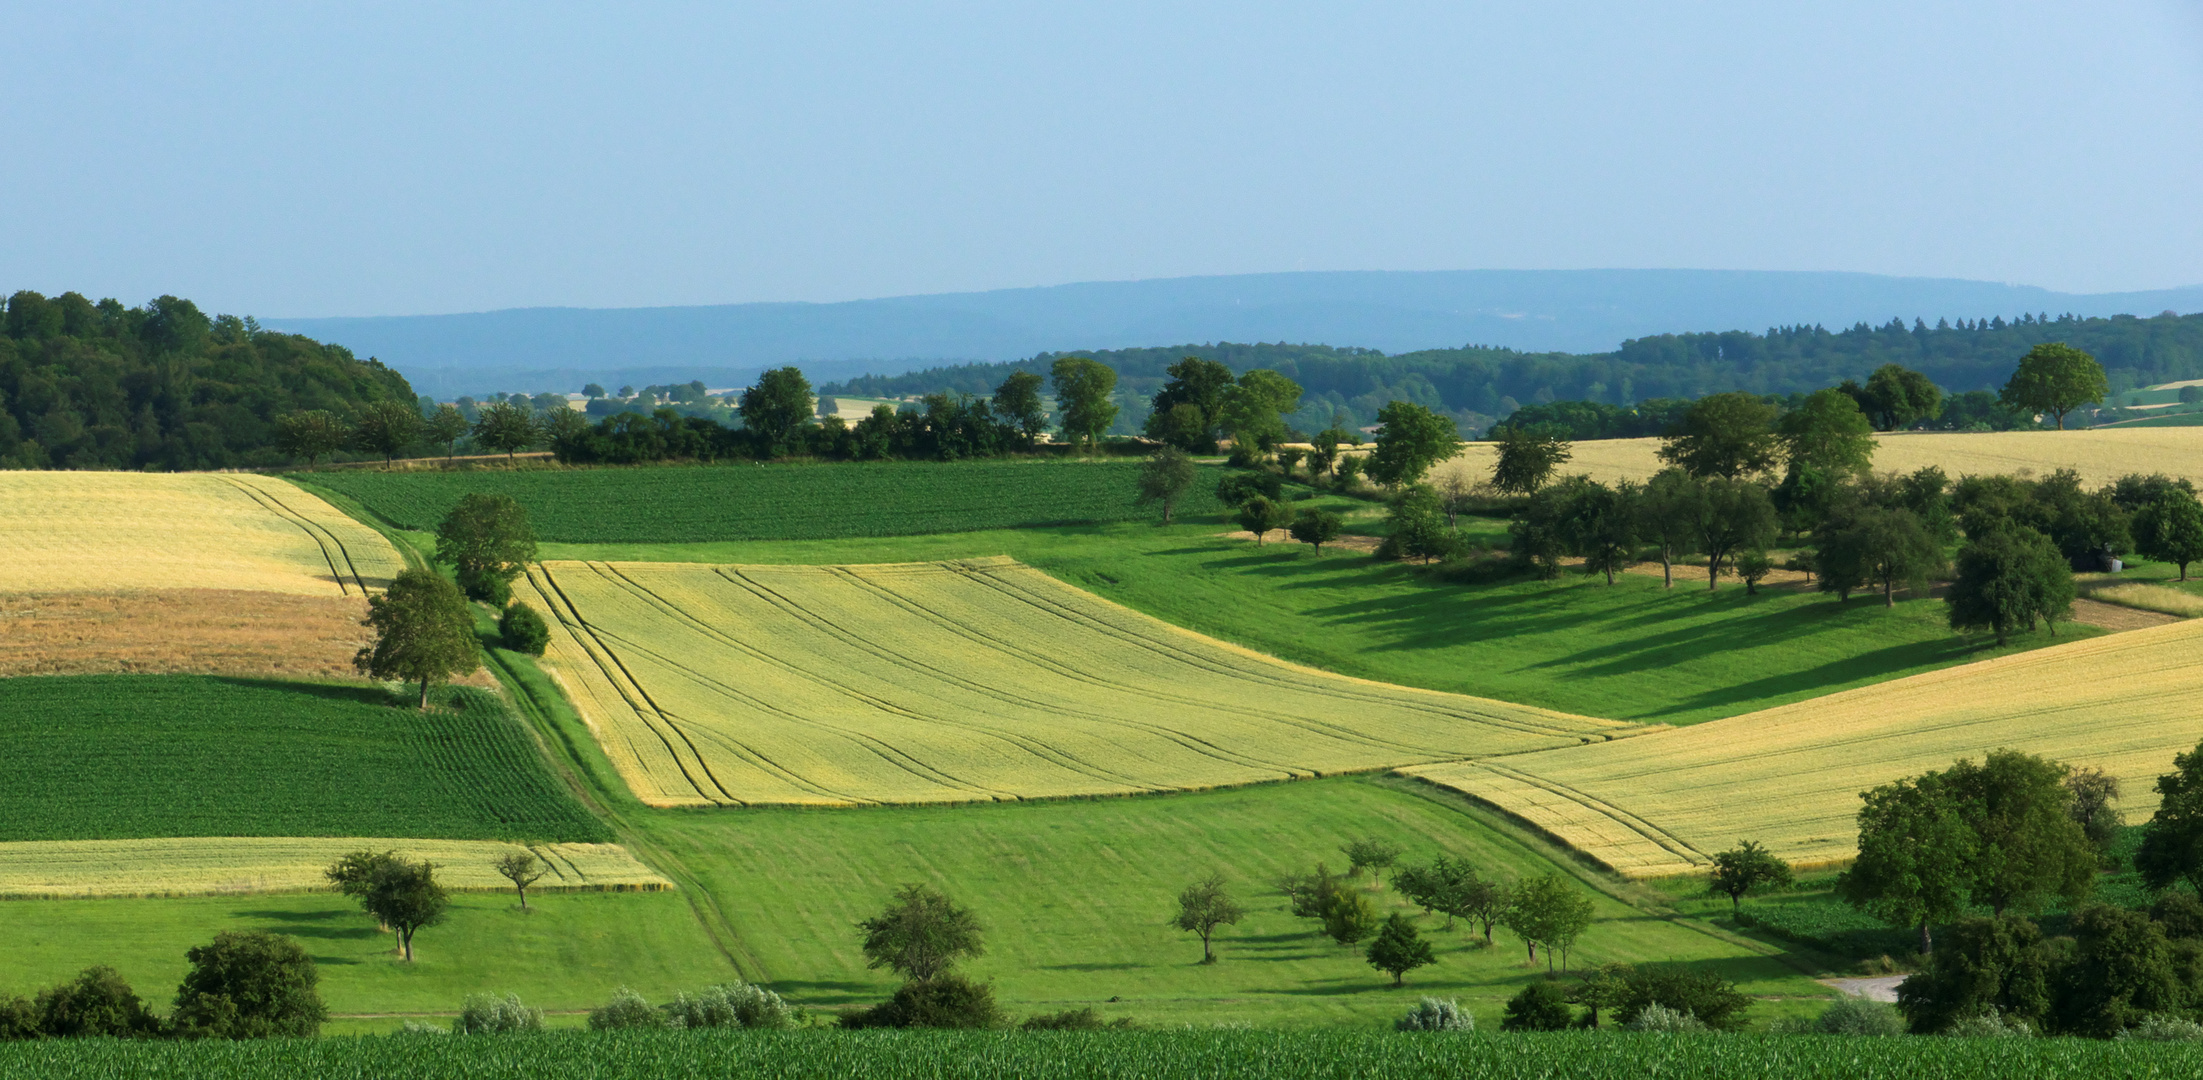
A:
(416, 1027)
(488, 1014)
(1988, 1024)
(488, 587)
(249, 985)
(627, 1009)
(523, 630)
(18, 1019)
(1431, 1014)
(96, 1003)
(1541, 1006)
(1085, 1019)
(2157, 1027)
(730, 1005)
(1713, 1000)
(946, 1001)
(1235, 489)
(1859, 1016)
(1660, 1019)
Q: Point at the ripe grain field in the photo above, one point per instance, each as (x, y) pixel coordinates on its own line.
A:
(223, 865)
(967, 681)
(1789, 777)
(677, 503)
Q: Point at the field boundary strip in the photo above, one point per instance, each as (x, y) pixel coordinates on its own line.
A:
(217, 866)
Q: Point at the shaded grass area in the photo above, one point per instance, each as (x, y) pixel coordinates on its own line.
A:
(1633, 650)
(133, 756)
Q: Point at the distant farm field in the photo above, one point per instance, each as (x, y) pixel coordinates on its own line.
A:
(1789, 777)
(107, 531)
(2099, 455)
(688, 503)
(195, 866)
(137, 756)
(949, 682)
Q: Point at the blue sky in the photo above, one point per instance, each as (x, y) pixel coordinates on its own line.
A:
(303, 160)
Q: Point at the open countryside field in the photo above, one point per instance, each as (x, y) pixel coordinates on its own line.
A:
(108, 531)
(186, 631)
(966, 681)
(748, 501)
(2099, 455)
(201, 866)
(1790, 777)
(140, 756)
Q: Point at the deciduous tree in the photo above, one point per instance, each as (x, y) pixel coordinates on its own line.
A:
(423, 632)
(1261, 514)
(386, 427)
(507, 427)
(1896, 397)
(444, 428)
(921, 935)
(1743, 868)
(2028, 849)
(2170, 529)
(1205, 905)
(2054, 378)
(249, 984)
(1727, 516)
(1916, 856)
(1723, 435)
(2006, 580)
(1827, 435)
(523, 869)
(1666, 516)
(1165, 477)
(1526, 459)
(1083, 407)
(1317, 527)
(1254, 408)
(1017, 403)
(312, 434)
(1399, 949)
(1188, 409)
(2172, 841)
(776, 408)
(487, 541)
(1411, 440)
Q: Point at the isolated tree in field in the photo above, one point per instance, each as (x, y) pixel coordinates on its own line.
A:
(1527, 457)
(249, 984)
(444, 427)
(1017, 402)
(1726, 435)
(1317, 528)
(313, 434)
(1826, 435)
(1601, 523)
(2028, 849)
(2095, 793)
(1743, 868)
(1916, 856)
(386, 427)
(921, 935)
(1205, 905)
(507, 427)
(1896, 397)
(487, 541)
(775, 409)
(592, 391)
(2006, 580)
(523, 869)
(1667, 518)
(1165, 477)
(2170, 529)
(2054, 378)
(1374, 854)
(1261, 514)
(1254, 409)
(1885, 547)
(1411, 440)
(2172, 841)
(423, 632)
(1728, 516)
(1399, 949)
(1083, 407)
(1188, 409)
(402, 895)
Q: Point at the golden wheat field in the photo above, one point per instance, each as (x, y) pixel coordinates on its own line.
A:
(216, 865)
(2100, 456)
(953, 682)
(1790, 777)
(110, 531)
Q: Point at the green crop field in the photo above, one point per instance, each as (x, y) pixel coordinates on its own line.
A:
(685, 503)
(125, 756)
(1224, 1055)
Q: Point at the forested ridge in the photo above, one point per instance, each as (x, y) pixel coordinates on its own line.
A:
(87, 385)
(1477, 385)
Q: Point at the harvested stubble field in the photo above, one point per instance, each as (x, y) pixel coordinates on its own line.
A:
(204, 866)
(107, 532)
(690, 503)
(1789, 777)
(181, 631)
(952, 682)
(2100, 455)
(138, 756)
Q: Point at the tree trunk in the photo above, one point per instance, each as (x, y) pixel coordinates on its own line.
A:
(1889, 593)
(523, 890)
(1207, 955)
(1667, 569)
(1713, 572)
(405, 941)
(424, 693)
(1399, 978)
(1927, 943)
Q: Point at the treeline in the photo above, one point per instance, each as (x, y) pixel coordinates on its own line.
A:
(87, 385)
(1478, 386)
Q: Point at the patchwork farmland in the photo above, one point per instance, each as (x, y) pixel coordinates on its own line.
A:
(952, 682)
(202, 866)
(1663, 803)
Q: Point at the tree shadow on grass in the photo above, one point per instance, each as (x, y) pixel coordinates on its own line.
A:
(327, 925)
(1093, 967)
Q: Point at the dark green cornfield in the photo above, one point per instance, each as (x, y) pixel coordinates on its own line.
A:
(695, 503)
(1157, 1055)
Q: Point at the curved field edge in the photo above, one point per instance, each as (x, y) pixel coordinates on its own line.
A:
(964, 681)
(1789, 777)
(212, 866)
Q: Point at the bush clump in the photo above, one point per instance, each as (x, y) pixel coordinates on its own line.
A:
(249, 984)
(2157, 1027)
(1989, 1024)
(523, 630)
(730, 1005)
(945, 1001)
(1659, 1019)
(1086, 1019)
(488, 1014)
(1859, 1016)
(627, 1009)
(1541, 1006)
(1432, 1014)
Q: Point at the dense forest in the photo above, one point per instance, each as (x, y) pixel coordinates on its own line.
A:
(88, 385)
(1478, 386)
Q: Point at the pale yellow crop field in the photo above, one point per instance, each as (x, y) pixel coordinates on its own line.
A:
(953, 682)
(2100, 456)
(1790, 777)
(202, 866)
(114, 531)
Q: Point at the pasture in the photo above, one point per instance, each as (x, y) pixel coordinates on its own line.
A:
(1789, 777)
(2099, 455)
(961, 681)
(109, 532)
(141, 756)
(201, 866)
(749, 501)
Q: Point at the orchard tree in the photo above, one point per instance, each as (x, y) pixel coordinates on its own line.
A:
(2054, 378)
(2006, 580)
(523, 869)
(1526, 459)
(1601, 524)
(444, 428)
(1165, 477)
(1882, 547)
(1399, 949)
(1372, 853)
(1546, 910)
(1723, 435)
(2170, 529)
(1445, 886)
(776, 409)
(1916, 856)
(1826, 435)
(1411, 440)
(1261, 514)
(1083, 405)
(423, 632)
(921, 935)
(507, 427)
(387, 427)
(1205, 905)
(1667, 518)
(1317, 528)
(2028, 849)
(1743, 868)
(1727, 516)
